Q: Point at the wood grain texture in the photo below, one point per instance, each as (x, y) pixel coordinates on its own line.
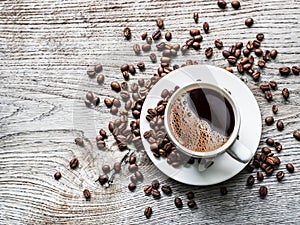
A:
(47, 47)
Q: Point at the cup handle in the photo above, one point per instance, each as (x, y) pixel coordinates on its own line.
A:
(239, 152)
(205, 163)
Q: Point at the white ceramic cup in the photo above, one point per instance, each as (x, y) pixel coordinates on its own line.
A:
(232, 146)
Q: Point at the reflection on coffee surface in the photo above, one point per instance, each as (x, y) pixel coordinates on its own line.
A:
(201, 119)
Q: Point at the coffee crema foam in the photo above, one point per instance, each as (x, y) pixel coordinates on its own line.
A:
(191, 131)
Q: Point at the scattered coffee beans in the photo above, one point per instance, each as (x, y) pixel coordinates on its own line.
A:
(273, 53)
(191, 203)
(222, 4)
(57, 175)
(160, 23)
(106, 169)
(166, 189)
(148, 212)
(131, 186)
(263, 191)
(209, 52)
(250, 180)
(127, 33)
(260, 176)
(280, 175)
(270, 142)
(274, 109)
(284, 70)
(206, 27)
(269, 120)
(74, 163)
(290, 167)
(280, 125)
(178, 202)
(235, 4)
(218, 44)
(296, 135)
(168, 36)
(137, 49)
(285, 93)
(196, 17)
(296, 70)
(87, 194)
(249, 22)
(115, 86)
(79, 141)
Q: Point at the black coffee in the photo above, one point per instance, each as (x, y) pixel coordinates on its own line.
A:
(201, 119)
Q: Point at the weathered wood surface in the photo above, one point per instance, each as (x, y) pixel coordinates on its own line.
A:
(47, 47)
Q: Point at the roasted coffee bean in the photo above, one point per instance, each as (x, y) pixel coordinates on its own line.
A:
(165, 59)
(116, 102)
(74, 163)
(131, 186)
(168, 36)
(99, 138)
(280, 125)
(268, 95)
(261, 63)
(146, 47)
(206, 27)
(269, 170)
(133, 168)
(166, 189)
(209, 52)
(133, 179)
(223, 190)
(100, 79)
(132, 159)
(190, 195)
(101, 144)
(256, 45)
(131, 69)
(260, 176)
(166, 53)
(127, 33)
(103, 133)
(271, 161)
(89, 96)
(160, 23)
(258, 52)
(222, 4)
(106, 168)
(161, 46)
(284, 70)
(137, 49)
(274, 109)
(194, 32)
(280, 175)
(79, 141)
(232, 60)
(260, 36)
(144, 35)
(263, 191)
(239, 45)
(273, 84)
(273, 53)
(229, 69)
(235, 4)
(196, 17)
(178, 202)
(296, 135)
(240, 68)
(184, 49)
(270, 142)
(255, 75)
(246, 52)
(266, 55)
(115, 86)
(117, 167)
(155, 184)
(296, 70)
(153, 57)
(148, 189)
(148, 41)
(87, 103)
(103, 179)
(266, 150)
(114, 110)
(250, 180)
(218, 44)
(155, 193)
(191, 203)
(190, 42)
(139, 176)
(269, 120)
(250, 45)
(57, 175)
(196, 45)
(98, 68)
(124, 67)
(148, 212)
(290, 167)
(249, 22)
(285, 93)
(198, 38)
(87, 194)
(156, 35)
(278, 146)
(226, 53)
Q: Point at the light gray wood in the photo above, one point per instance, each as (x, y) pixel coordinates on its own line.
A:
(47, 47)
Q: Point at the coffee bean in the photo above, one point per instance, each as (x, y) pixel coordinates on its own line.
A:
(290, 167)
(235, 4)
(226, 54)
(250, 180)
(273, 53)
(168, 36)
(273, 84)
(99, 138)
(223, 190)
(108, 102)
(249, 22)
(269, 120)
(256, 45)
(127, 33)
(132, 159)
(260, 36)
(87, 103)
(280, 125)
(232, 60)
(190, 195)
(160, 23)
(246, 52)
(240, 68)
(274, 109)
(209, 52)
(79, 141)
(131, 69)
(268, 95)
(296, 135)
(57, 175)
(91, 73)
(270, 142)
(258, 52)
(137, 49)
(101, 144)
(250, 45)
(89, 96)
(285, 93)
(131, 186)
(148, 189)
(139, 176)
(146, 47)
(196, 17)
(74, 163)
(116, 102)
(156, 35)
(263, 191)
(133, 179)
(278, 146)
(124, 67)
(117, 167)
(222, 4)
(148, 212)
(144, 35)
(198, 38)
(260, 176)
(115, 86)
(87, 194)
(218, 44)
(194, 32)
(103, 179)
(106, 168)
(184, 49)
(148, 41)
(178, 202)
(191, 203)
(161, 46)
(153, 58)
(284, 70)
(166, 189)
(280, 175)
(266, 55)
(96, 101)
(266, 150)
(296, 70)
(256, 75)
(206, 27)
(155, 193)
(133, 168)
(261, 63)
(196, 45)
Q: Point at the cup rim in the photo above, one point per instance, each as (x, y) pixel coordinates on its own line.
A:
(233, 135)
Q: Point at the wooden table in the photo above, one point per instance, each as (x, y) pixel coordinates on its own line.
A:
(47, 47)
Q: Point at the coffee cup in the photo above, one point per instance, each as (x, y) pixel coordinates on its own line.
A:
(203, 121)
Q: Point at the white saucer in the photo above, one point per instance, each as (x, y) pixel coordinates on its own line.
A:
(224, 166)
